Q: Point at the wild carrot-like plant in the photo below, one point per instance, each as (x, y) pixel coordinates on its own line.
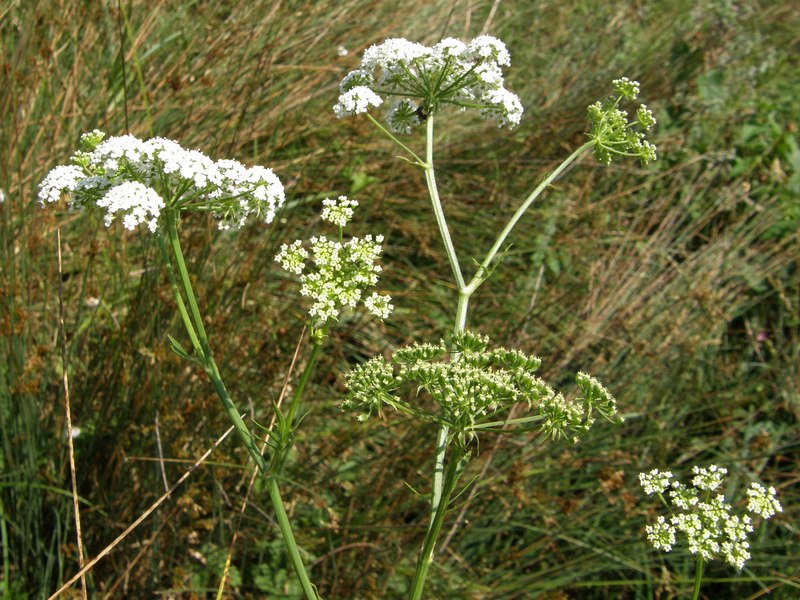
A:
(472, 387)
(152, 183)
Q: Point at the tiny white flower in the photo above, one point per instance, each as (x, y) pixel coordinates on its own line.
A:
(708, 479)
(487, 47)
(763, 501)
(58, 180)
(503, 106)
(135, 201)
(356, 101)
(661, 535)
(338, 211)
(655, 482)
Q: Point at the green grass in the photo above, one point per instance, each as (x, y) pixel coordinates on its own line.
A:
(676, 285)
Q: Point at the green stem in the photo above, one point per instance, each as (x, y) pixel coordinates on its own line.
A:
(288, 538)
(480, 276)
(391, 136)
(172, 229)
(426, 555)
(698, 577)
(438, 471)
(461, 311)
(430, 178)
(194, 326)
(195, 329)
(176, 292)
(284, 445)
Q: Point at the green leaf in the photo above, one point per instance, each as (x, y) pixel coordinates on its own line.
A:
(176, 347)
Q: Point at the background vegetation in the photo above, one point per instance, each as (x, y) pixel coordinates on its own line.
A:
(677, 285)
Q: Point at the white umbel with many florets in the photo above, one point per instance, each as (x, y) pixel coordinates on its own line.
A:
(136, 180)
(420, 80)
(338, 273)
(706, 520)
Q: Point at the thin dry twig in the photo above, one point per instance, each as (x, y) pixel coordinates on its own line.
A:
(161, 455)
(71, 449)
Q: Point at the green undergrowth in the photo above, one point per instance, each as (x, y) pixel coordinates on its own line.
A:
(675, 284)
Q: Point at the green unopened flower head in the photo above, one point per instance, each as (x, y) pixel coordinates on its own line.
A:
(614, 132)
(470, 385)
(707, 522)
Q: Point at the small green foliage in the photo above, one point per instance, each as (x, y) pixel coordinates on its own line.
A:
(612, 130)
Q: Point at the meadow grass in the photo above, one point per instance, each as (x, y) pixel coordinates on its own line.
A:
(676, 285)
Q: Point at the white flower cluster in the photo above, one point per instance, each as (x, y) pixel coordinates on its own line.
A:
(763, 501)
(426, 78)
(137, 179)
(708, 523)
(655, 482)
(339, 273)
(708, 479)
(339, 211)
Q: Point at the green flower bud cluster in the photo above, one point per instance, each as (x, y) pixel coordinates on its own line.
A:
(472, 386)
(612, 130)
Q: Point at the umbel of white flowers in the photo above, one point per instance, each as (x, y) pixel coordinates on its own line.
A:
(474, 391)
(707, 521)
(136, 180)
(419, 80)
(338, 273)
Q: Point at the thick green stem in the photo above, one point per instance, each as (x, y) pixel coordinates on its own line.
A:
(426, 555)
(438, 471)
(288, 538)
(698, 577)
(438, 211)
(183, 273)
(480, 276)
(176, 292)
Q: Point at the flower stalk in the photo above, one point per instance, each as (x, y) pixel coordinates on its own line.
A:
(193, 323)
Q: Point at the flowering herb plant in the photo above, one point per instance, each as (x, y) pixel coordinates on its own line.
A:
(470, 385)
(702, 516)
(151, 183)
(464, 387)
